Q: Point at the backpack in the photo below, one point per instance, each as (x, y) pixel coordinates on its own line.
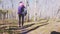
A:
(24, 12)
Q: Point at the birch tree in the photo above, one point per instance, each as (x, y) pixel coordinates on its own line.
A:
(27, 6)
(12, 8)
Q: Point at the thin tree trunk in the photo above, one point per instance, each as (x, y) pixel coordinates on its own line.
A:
(27, 6)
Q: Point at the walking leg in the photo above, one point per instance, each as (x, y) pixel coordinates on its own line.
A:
(19, 20)
(22, 20)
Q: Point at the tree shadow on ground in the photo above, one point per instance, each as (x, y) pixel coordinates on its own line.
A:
(25, 31)
(54, 32)
(17, 28)
(32, 29)
(29, 25)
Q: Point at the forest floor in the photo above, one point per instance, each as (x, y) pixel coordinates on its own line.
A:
(40, 27)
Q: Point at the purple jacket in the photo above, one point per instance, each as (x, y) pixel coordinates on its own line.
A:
(21, 9)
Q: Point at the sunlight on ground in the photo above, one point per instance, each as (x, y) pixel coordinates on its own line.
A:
(41, 27)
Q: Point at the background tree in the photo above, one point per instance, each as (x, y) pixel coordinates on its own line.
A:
(27, 6)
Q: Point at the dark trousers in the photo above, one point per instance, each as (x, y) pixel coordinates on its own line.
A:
(21, 20)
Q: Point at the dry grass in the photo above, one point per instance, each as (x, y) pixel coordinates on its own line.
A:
(53, 25)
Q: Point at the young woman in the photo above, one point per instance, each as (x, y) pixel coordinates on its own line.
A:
(20, 14)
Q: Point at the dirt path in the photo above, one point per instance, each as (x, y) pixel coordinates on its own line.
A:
(47, 29)
(42, 27)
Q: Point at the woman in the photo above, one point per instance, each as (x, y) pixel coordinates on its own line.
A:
(20, 13)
